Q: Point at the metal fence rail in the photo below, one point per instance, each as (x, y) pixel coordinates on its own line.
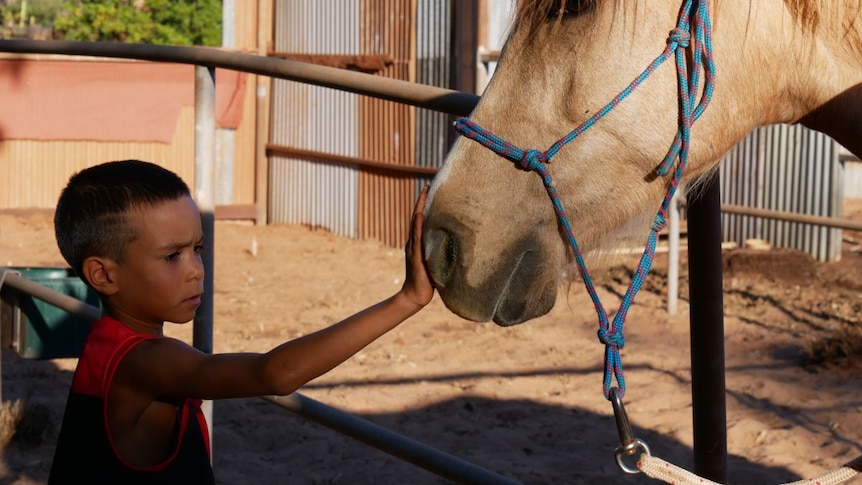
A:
(422, 96)
(400, 446)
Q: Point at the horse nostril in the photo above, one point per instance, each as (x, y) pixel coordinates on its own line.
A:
(442, 256)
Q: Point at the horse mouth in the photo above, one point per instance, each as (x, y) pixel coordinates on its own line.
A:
(517, 284)
(526, 295)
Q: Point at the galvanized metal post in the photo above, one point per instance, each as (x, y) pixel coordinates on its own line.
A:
(466, 48)
(225, 137)
(709, 408)
(204, 196)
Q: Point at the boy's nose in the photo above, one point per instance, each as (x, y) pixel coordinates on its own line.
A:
(197, 271)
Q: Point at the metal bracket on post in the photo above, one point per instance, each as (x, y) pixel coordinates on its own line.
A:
(629, 445)
(11, 334)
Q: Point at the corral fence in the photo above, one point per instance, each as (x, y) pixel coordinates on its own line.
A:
(351, 163)
(207, 60)
(407, 449)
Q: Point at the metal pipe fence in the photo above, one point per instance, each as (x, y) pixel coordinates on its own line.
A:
(419, 454)
(422, 96)
(438, 99)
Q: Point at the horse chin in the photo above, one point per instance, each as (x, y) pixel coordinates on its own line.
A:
(512, 311)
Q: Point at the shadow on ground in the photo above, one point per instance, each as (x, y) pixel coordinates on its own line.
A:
(258, 442)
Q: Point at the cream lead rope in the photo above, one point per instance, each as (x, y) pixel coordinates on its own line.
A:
(669, 473)
(659, 469)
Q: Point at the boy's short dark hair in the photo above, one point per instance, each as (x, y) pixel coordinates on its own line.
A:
(90, 219)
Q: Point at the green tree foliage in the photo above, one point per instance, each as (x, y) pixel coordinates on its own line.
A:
(29, 12)
(28, 18)
(170, 22)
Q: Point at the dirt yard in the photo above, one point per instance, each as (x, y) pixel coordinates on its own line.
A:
(524, 401)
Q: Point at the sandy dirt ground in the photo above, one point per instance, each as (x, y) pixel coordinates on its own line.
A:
(525, 401)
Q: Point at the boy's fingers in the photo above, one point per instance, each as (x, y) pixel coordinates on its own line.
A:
(420, 202)
(419, 209)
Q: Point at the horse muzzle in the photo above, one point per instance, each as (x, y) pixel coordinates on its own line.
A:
(508, 285)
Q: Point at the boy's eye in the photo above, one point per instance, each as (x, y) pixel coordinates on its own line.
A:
(199, 248)
(172, 256)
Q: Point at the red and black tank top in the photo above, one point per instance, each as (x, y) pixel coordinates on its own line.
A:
(85, 452)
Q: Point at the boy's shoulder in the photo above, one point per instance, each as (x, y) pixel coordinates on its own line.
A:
(108, 342)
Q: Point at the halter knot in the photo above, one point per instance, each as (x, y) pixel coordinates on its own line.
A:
(532, 160)
(611, 338)
(681, 37)
(659, 222)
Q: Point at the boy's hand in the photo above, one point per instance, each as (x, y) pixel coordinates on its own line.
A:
(417, 286)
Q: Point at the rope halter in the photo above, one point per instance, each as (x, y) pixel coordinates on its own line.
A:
(693, 29)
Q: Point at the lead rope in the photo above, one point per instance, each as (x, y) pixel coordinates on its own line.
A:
(661, 470)
(611, 333)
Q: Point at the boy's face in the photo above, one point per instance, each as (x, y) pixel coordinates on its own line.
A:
(161, 278)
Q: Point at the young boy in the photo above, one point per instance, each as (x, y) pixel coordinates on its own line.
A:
(132, 232)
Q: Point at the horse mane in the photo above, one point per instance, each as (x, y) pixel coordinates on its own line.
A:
(805, 12)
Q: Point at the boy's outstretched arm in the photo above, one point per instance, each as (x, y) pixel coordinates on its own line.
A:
(315, 354)
(168, 367)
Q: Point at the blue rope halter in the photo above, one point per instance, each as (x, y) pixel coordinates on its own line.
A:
(696, 13)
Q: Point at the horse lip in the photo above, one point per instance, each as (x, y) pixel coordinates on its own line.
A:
(505, 291)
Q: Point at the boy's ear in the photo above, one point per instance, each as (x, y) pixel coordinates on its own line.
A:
(99, 273)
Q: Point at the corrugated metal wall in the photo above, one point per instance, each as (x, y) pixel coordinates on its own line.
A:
(433, 53)
(33, 172)
(303, 190)
(852, 174)
(785, 168)
(356, 200)
(387, 132)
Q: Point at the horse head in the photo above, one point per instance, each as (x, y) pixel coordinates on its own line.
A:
(492, 240)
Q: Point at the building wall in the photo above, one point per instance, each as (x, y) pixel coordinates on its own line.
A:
(33, 171)
(789, 169)
(350, 163)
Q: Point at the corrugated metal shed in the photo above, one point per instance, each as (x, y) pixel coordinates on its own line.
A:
(387, 133)
(330, 150)
(785, 168)
(498, 19)
(433, 46)
(302, 190)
